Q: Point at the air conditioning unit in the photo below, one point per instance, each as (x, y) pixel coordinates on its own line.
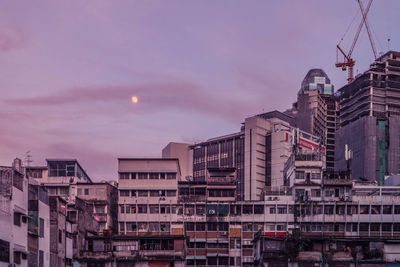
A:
(224, 233)
(211, 212)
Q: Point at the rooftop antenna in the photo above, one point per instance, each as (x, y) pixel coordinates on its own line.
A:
(28, 158)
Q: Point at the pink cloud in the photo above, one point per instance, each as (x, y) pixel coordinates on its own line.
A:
(177, 95)
(11, 39)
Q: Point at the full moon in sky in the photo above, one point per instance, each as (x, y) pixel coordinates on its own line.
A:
(134, 99)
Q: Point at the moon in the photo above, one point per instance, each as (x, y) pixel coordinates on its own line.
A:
(134, 99)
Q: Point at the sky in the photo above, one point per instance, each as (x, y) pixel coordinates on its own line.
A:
(68, 70)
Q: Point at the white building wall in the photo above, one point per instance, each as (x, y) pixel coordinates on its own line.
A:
(19, 236)
(44, 242)
(6, 224)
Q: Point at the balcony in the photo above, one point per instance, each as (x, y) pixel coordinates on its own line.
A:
(338, 181)
(308, 157)
(221, 180)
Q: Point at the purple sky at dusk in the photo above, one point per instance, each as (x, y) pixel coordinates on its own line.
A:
(69, 70)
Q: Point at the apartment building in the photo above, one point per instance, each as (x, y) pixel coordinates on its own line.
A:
(147, 195)
(370, 121)
(59, 243)
(38, 225)
(13, 215)
(83, 224)
(60, 177)
(316, 110)
(103, 198)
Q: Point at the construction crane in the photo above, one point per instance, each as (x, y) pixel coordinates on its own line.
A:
(348, 62)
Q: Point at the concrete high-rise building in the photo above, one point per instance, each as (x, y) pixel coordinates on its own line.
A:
(258, 153)
(316, 110)
(182, 152)
(370, 121)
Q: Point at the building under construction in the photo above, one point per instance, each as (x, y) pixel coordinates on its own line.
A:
(370, 121)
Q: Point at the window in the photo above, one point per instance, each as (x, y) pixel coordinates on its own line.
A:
(212, 226)
(299, 175)
(133, 193)
(4, 251)
(122, 227)
(154, 193)
(189, 226)
(52, 190)
(247, 209)
(79, 191)
(375, 209)
(142, 176)
(123, 175)
(375, 227)
(272, 210)
(87, 191)
(41, 258)
(212, 260)
(397, 209)
(17, 219)
(171, 193)
(223, 226)
(123, 193)
(153, 176)
(328, 209)
(162, 176)
(364, 209)
(200, 226)
(200, 209)
(133, 175)
(386, 227)
(17, 257)
(316, 176)
(247, 227)
(154, 209)
(280, 227)
(41, 227)
(59, 236)
(281, 210)
(330, 193)
(142, 193)
(34, 173)
(387, 209)
(130, 209)
(100, 210)
(142, 208)
(171, 176)
(363, 227)
(131, 227)
(396, 227)
(258, 209)
(315, 193)
(352, 209)
(99, 192)
(122, 208)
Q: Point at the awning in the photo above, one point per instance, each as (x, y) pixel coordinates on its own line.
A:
(20, 210)
(20, 249)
